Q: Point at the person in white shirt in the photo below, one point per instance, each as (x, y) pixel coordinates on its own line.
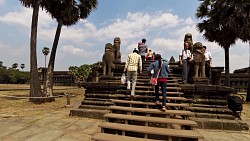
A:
(131, 67)
(208, 63)
(184, 58)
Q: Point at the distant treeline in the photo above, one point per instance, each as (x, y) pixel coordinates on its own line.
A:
(13, 76)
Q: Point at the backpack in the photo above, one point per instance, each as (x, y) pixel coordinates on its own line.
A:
(235, 103)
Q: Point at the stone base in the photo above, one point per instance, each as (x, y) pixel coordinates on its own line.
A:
(88, 113)
(221, 124)
(200, 80)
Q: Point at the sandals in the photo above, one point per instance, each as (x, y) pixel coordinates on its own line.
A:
(163, 108)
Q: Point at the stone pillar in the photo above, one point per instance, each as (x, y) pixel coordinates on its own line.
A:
(216, 75)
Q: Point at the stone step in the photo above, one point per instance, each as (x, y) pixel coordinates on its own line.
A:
(169, 78)
(214, 116)
(98, 107)
(147, 83)
(117, 96)
(170, 133)
(209, 106)
(113, 137)
(149, 103)
(91, 102)
(148, 112)
(168, 88)
(88, 113)
(209, 110)
(150, 92)
(222, 102)
(184, 124)
(169, 81)
(221, 124)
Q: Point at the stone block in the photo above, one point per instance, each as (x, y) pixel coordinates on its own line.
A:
(231, 125)
(203, 115)
(213, 124)
(199, 121)
(243, 126)
(87, 113)
(229, 117)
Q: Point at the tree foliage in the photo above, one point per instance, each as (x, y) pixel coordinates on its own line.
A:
(66, 12)
(224, 21)
(13, 76)
(81, 74)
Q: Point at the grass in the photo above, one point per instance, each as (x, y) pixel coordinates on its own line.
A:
(10, 106)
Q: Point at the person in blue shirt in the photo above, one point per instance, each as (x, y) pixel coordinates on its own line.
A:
(162, 66)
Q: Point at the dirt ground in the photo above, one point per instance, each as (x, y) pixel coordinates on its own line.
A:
(14, 100)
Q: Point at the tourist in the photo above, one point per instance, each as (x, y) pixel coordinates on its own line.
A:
(149, 55)
(131, 67)
(161, 70)
(143, 49)
(185, 57)
(208, 63)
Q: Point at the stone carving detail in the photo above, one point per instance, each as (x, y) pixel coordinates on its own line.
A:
(107, 60)
(188, 38)
(116, 48)
(199, 60)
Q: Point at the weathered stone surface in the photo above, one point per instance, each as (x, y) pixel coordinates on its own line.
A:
(213, 124)
(231, 125)
(95, 114)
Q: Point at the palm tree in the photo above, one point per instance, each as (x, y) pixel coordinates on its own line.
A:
(66, 12)
(215, 28)
(15, 65)
(35, 87)
(45, 53)
(239, 22)
(22, 66)
(1, 64)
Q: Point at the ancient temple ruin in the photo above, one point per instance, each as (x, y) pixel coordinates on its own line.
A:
(197, 105)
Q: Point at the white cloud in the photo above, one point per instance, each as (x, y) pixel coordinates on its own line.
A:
(165, 44)
(2, 2)
(22, 18)
(189, 21)
(84, 42)
(69, 49)
(164, 20)
(17, 55)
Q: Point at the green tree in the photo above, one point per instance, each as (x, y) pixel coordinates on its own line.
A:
(35, 87)
(15, 65)
(22, 66)
(66, 12)
(1, 64)
(45, 53)
(215, 28)
(81, 73)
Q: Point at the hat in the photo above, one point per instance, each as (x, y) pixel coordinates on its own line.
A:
(144, 39)
(136, 50)
(157, 57)
(205, 47)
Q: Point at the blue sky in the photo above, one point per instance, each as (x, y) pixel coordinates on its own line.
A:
(163, 22)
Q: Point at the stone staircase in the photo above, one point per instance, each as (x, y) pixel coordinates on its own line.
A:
(209, 109)
(140, 118)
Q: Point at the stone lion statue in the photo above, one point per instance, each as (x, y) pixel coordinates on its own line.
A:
(116, 48)
(188, 38)
(199, 60)
(107, 60)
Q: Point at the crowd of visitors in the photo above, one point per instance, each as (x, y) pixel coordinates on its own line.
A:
(159, 68)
